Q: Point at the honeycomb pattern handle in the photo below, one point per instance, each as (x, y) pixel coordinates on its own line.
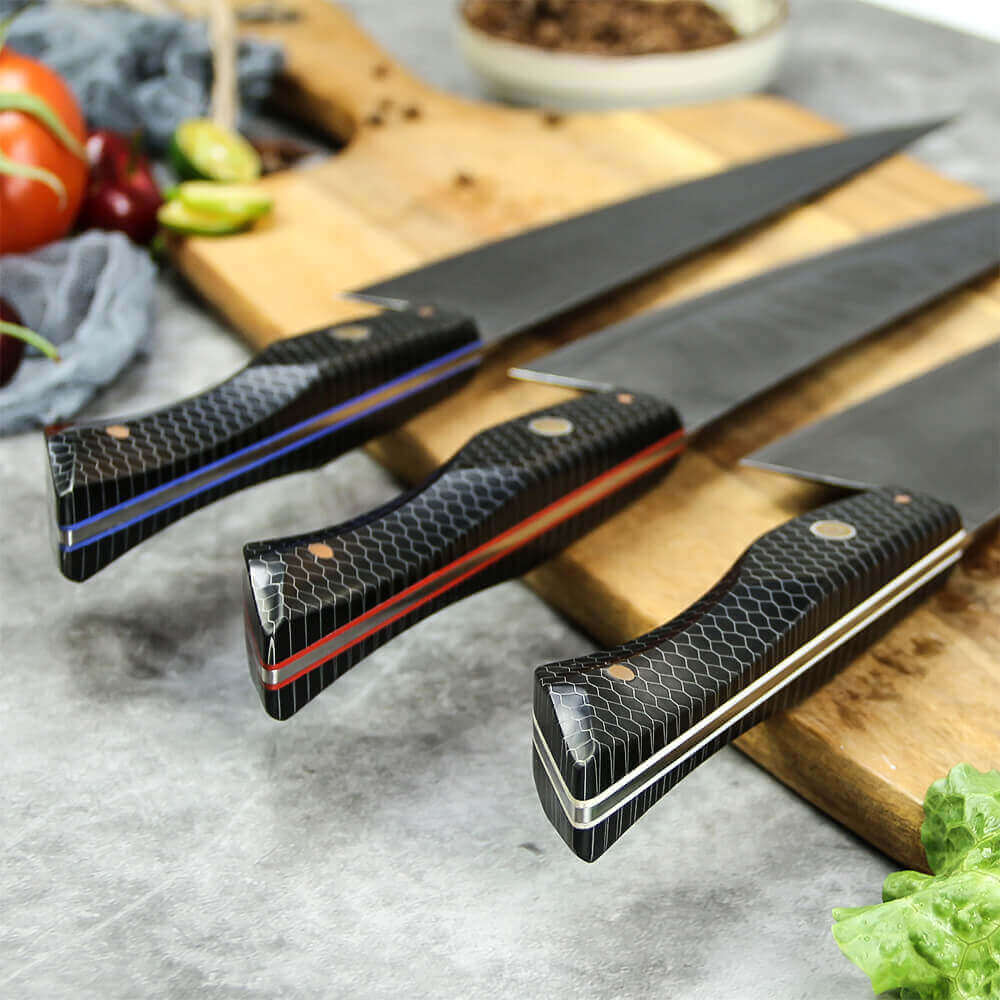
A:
(512, 496)
(298, 404)
(615, 730)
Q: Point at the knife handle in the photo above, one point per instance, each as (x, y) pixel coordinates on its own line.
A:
(298, 404)
(615, 730)
(510, 498)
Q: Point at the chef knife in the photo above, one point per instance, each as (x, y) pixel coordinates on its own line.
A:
(615, 730)
(305, 400)
(522, 490)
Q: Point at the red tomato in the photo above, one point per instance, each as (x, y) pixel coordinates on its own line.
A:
(30, 212)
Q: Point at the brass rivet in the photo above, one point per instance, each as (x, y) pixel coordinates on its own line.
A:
(117, 431)
(902, 498)
(626, 398)
(425, 311)
(620, 672)
(356, 331)
(550, 427)
(321, 550)
(833, 530)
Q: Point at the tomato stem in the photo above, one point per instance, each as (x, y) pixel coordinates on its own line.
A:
(30, 337)
(13, 168)
(31, 104)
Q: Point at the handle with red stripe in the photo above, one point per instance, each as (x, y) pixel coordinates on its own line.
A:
(512, 497)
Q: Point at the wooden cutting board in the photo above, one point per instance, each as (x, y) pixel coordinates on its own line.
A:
(425, 173)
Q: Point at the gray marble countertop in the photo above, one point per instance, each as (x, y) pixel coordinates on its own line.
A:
(163, 838)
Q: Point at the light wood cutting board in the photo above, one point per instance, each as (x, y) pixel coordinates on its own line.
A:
(424, 174)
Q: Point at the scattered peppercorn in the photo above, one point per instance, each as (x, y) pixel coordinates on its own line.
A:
(278, 154)
(462, 179)
(411, 112)
(380, 71)
(266, 13)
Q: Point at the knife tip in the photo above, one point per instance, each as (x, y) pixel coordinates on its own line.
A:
(914, 130)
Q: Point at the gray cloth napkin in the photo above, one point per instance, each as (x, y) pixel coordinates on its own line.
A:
(91, 295)
(131, 71)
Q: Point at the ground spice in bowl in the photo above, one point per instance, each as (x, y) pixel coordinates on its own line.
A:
(603, 27)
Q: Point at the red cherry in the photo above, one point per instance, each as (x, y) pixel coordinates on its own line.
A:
(122, 195)
(108, 155)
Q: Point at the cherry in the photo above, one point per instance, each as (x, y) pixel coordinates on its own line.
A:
(122, 194)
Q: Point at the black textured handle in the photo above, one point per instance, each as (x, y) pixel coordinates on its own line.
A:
(298, 404)
(615, 730)
(513, 496)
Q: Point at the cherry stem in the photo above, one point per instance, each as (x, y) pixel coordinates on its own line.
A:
(134, 152)
(36, 340)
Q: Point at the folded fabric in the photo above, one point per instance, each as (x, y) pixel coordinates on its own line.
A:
(133, 71)
(91, 295)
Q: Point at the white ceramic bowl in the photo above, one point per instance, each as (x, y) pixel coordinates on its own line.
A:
(527, 74)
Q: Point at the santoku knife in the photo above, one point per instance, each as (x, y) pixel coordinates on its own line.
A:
(615, 730)
(303, 401)
(522, 490)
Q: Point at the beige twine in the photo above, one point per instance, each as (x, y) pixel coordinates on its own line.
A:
(223, 38)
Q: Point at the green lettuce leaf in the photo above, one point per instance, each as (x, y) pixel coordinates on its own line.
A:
(962, 821)
(937, 937)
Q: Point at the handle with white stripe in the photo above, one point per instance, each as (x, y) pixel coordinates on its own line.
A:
(615, 730)
(298, 404)
(513, 496)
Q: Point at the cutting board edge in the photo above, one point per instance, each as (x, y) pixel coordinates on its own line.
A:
(783, 746)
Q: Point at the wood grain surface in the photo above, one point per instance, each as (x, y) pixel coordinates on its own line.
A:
(424, 174)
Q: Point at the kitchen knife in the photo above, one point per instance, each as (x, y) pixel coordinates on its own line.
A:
(522, 490)
(305, 400)
(615, 730)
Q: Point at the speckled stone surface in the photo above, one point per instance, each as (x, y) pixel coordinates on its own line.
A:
(163, 838)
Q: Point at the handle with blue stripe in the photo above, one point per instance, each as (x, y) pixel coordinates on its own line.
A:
(298, 404)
